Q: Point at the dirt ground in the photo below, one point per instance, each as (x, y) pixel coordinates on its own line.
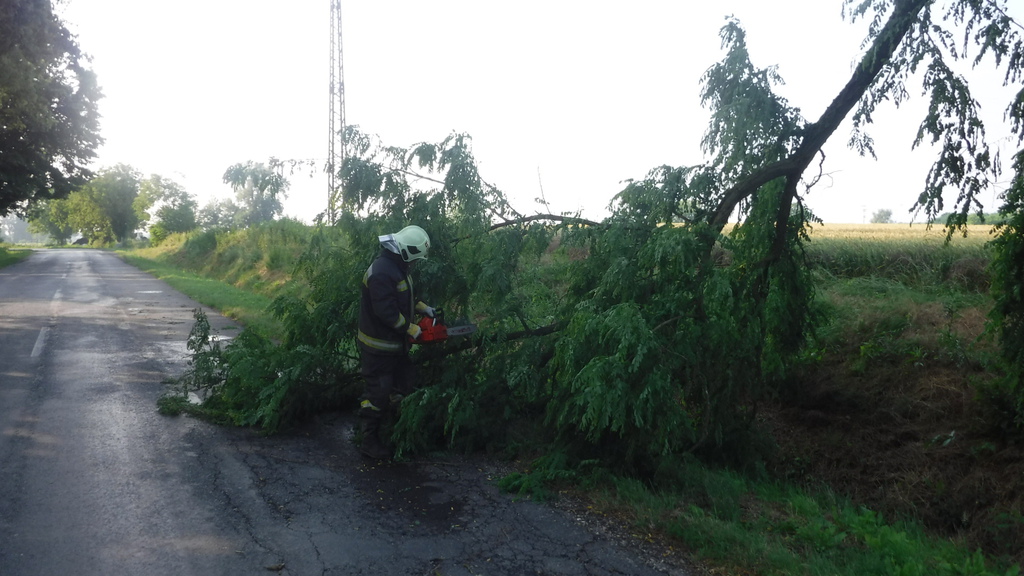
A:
(906, 435)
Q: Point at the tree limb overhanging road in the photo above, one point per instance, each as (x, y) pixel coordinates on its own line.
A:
(94, 481)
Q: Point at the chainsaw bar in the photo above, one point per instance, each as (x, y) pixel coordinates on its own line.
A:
(463, 330)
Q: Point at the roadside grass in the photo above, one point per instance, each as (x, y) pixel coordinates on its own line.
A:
(739, 525)
(248, 308)
(8, 256)
(239, 273)
(258, 260)
(882, 317)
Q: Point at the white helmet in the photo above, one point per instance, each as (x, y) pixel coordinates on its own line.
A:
(411, 243)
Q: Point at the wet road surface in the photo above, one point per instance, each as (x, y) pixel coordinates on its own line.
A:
(94, 481)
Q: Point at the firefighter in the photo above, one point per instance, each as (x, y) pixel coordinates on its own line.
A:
(386, 326)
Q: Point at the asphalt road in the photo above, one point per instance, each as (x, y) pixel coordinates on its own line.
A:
(94, 481)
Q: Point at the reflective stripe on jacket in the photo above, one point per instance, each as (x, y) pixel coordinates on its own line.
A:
(386, 305)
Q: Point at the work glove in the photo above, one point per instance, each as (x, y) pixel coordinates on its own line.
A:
(413, 331)
(425, 310)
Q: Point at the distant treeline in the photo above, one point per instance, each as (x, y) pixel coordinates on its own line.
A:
(985, 218)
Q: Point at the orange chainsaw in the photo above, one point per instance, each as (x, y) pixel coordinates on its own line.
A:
(433, 330)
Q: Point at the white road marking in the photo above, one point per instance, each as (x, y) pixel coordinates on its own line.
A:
(45, 330)
(55, 304)
(40, 342)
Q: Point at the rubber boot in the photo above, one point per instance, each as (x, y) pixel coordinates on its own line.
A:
(371, 446)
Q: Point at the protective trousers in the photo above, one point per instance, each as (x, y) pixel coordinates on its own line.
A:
(387, 379)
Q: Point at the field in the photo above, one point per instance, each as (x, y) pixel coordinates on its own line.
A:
(915, 255)
(879, 456)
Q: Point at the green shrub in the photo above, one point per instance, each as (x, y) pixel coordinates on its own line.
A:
(200, 245)
(157, 234)
(1007, 315)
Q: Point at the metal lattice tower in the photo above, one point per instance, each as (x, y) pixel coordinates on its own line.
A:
(336, 143)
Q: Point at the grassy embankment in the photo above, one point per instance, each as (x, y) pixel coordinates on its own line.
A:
(238, 274)
(885, 459)
(882, 432)
(8, 257)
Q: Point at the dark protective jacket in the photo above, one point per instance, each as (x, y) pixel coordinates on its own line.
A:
(386, 305)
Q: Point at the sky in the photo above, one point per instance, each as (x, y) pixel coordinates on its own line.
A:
(564, 100)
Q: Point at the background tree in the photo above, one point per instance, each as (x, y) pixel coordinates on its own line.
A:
(53, 218)
(171, 208)
(104, 210)
(975, 218)
(49, 123)
(218, 213)
(87, 217)
(16, 230)
(259, 190)
(882, 216)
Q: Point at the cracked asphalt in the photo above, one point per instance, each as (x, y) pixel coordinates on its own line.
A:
(94, 481)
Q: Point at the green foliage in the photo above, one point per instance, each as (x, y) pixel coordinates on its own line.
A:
(259, 258)
(750, 124)
(158, 233)
(218, 214)
(259, 190)
(173, 405)
(269, 385)
(205, 370)
(253, 393)
(103, 210)
(936, 40)
(1007, 315)
(973, 219)
(166, 202)
(87, 217)
(49, 121)
(115, 191)
(554, 469)
(646, 366)
(52, 217)
(200, 245)
(241, 383)
(8, 257)
(203, 376)
(626, 353)
(317, 351)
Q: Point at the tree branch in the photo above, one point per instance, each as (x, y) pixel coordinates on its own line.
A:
(536, 217)
(815, 135)
(481, 339)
